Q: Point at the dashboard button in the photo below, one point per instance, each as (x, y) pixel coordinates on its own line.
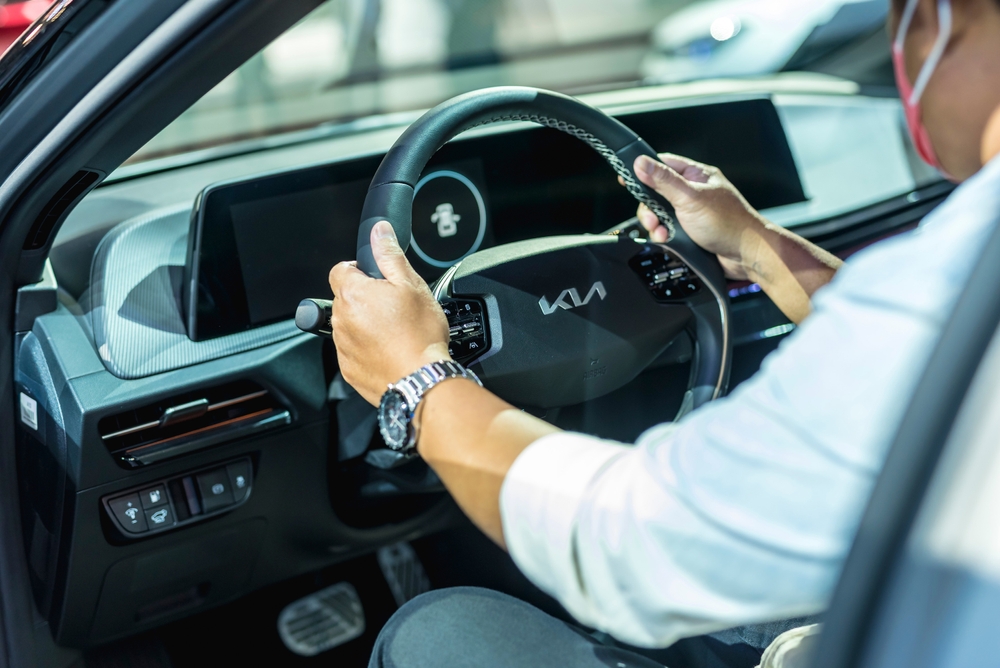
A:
(159, 517)
(239, 479)
(127, 510)
(215, 490)
(153, 497)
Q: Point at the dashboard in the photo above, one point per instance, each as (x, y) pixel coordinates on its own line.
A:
(157, 362)
(259, 246)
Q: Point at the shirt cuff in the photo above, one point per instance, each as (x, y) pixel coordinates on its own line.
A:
(539, 500)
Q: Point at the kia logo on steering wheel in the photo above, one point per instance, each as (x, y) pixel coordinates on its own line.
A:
(569, 299)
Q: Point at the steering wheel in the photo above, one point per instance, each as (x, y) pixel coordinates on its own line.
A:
(556, 321)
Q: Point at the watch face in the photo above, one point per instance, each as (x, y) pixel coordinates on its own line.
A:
(394, 420)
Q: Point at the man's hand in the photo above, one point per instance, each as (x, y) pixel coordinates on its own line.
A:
(749, 247)
(384, 330)
(709, 208)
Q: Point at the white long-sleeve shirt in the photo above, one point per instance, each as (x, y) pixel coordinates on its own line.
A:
(744, 512)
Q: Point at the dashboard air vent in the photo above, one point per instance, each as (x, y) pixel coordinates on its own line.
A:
(191, 421)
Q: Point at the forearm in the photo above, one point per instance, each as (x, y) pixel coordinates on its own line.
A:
(787, 267)
(471, 438)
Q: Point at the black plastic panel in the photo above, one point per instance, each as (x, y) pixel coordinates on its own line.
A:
(169, 504)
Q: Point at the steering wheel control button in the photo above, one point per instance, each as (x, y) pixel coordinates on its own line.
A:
(690, 287)
(127, 510)
(466, 328)
(215, 490)
(239, 479)
(153, 497)
(667, 277)
(449, 218)
(159, 517)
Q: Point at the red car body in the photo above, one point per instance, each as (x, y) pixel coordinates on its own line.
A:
(15, 18)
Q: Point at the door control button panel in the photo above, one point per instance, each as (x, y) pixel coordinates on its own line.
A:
(180, 500)
(666, 276)
(467, 329)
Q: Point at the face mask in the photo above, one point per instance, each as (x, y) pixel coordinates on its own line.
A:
(911, 94)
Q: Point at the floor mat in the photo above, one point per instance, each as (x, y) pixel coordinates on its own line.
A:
(245, 632)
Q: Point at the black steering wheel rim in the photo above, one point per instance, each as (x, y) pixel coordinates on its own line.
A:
(390, 197)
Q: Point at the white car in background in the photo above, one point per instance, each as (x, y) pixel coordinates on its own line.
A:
(737, 38)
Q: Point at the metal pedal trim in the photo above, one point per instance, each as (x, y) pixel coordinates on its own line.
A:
(403, 572)
(322, 621)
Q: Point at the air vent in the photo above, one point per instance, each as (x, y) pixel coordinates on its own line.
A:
(184, 423)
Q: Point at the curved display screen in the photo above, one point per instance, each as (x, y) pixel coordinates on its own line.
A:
(258, 247)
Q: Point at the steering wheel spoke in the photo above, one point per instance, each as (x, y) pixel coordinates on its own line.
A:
(561, 320)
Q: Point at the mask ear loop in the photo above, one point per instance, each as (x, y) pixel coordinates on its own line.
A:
(904, 24)
(937, 51)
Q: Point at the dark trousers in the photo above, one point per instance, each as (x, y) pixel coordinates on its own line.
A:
(480, 628)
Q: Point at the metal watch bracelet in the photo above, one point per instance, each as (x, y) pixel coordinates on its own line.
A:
(418, 383)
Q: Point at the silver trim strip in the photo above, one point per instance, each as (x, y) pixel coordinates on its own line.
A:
(238, 400)
(444, 282)
(723, 312)
(130, 430)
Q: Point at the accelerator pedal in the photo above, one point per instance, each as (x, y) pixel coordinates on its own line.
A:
(403, 572)
(322, 621)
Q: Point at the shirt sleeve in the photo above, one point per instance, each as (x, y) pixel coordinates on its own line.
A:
(740, 514)
(744, 512)
(554, 474)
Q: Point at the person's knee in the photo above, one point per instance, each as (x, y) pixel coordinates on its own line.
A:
(451, 626)
(420, 629)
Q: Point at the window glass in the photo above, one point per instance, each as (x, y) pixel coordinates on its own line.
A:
(365, 59)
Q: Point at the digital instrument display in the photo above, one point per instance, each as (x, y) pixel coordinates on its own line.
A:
(257, 247)
(283, 260)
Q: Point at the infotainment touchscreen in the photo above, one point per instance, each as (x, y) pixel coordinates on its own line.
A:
(257, 248)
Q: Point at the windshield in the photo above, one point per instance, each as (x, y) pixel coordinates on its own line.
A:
(359, 59)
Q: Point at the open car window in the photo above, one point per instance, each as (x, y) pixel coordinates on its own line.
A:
(381, 60)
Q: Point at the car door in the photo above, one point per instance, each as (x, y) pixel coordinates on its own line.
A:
(88, 84)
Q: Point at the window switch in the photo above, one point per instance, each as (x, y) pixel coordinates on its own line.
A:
(215, 490)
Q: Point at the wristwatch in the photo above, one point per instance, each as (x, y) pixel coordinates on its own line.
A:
(399, 403)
